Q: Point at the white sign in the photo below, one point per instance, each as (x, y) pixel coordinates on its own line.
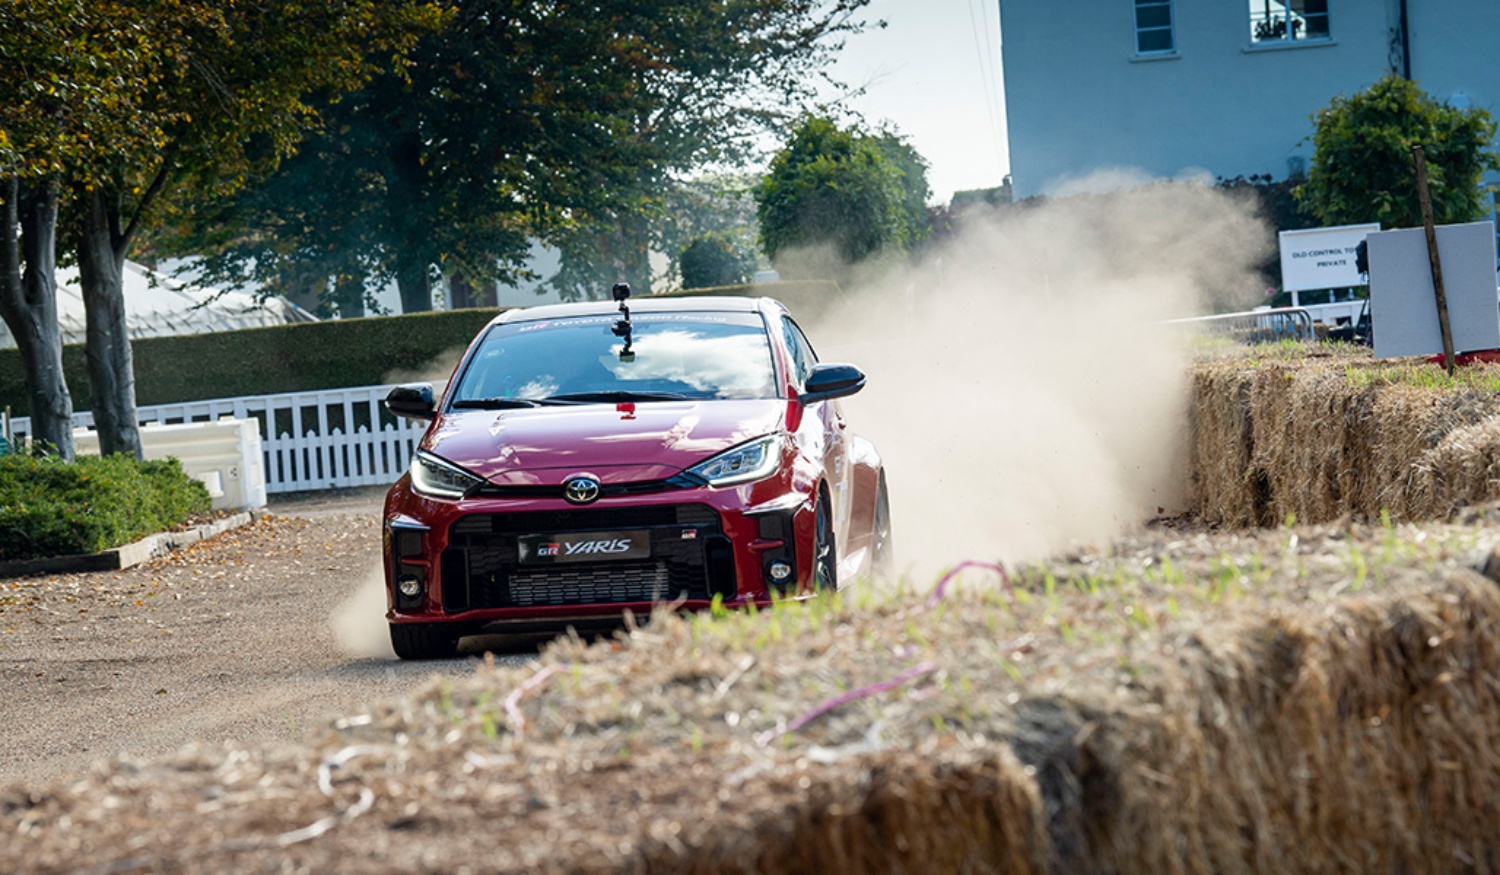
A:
(1403, 306)
(1322, 258)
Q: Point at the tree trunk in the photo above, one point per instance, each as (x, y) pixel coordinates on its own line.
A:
(101, 268)
(349, 296)
(635, 253)
(415, 285)
(460, 291)
(408, 188)
(28, 303)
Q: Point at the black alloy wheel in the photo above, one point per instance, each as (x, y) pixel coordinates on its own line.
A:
(825, 549)
(883, 556)
(423, 641)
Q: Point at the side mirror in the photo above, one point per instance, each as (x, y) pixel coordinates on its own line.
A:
(413, 401)
(830, 381)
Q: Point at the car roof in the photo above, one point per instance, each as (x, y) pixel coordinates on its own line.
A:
(666, 304)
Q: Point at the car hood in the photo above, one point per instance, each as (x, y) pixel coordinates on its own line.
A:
(615, 442)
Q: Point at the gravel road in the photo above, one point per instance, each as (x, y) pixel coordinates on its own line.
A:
(264, 633)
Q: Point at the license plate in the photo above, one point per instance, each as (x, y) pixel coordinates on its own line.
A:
(584, 547)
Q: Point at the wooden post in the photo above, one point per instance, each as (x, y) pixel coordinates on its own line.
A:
(1425, 198)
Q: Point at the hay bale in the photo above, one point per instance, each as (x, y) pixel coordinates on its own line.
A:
(1221, 442)
(1363, 738)
(1280, 438)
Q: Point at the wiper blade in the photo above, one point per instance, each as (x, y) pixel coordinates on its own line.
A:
(494, 403)
(616, 397)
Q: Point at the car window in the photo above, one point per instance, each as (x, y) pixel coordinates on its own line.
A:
(710, 355)
(803, 357)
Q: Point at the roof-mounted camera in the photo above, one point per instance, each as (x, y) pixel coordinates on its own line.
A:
(621, 328)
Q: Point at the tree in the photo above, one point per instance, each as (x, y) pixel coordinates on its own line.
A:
(60, 92)
(28, 303)
(501, 124)
(218, 94)
(524, 121)
(857, 193)
(1362, 166)
(714, 260)
(713, 79)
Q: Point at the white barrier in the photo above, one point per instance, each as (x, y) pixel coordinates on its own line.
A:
(225, 455)
(309, 440)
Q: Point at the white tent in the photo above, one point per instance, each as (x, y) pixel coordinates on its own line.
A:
(159, 306)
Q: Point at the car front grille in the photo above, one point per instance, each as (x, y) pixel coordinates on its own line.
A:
(481, 567)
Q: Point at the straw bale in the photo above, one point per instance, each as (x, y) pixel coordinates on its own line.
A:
(1300, 437)
(1221, 486)
(1361, 739)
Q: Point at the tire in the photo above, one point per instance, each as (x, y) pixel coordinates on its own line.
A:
(882, 553)
(825, 548)
(419, 641)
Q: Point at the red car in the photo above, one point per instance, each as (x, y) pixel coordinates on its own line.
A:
(587, 460)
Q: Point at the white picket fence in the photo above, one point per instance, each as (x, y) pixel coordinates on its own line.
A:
(310, 440)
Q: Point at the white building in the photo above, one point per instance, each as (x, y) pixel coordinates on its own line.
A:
(1224, 86)
(156, 305)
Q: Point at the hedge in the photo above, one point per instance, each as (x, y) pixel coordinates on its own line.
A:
(49, 507)
(332, 354)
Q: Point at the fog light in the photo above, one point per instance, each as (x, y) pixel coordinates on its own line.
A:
(411, 587)
(780, 571)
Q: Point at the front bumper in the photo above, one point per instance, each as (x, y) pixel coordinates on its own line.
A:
(707, 546)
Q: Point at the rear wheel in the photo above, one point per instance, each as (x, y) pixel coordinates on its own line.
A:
(882, 554)
(419, 641)
(825, 548)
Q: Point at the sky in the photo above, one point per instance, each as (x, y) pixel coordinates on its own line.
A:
(934, 72)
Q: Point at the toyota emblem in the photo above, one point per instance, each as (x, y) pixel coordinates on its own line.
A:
(581, 490)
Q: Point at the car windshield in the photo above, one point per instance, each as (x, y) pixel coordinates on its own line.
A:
(673, 356)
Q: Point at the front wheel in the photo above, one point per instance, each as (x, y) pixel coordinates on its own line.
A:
(423, 641)
(825, 548)
(882, 553)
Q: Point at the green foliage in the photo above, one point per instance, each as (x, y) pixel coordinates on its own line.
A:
(1363, 170)
(49, 507)
(714, 260)
(285, 358)
(521, 121)
(840, 187)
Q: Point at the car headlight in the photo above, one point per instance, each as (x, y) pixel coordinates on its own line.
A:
(433, 476)
(755, 460)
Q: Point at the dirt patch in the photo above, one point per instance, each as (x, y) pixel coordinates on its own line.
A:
(228, 639)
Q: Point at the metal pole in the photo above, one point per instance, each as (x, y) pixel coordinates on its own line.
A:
(1425, 198)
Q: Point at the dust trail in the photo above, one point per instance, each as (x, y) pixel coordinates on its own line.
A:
(1023, 390)
(359, 623)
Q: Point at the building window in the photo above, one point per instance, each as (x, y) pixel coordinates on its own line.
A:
(1276, 21)
(1153, 26)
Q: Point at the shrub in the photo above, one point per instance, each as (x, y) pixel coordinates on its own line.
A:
(49, 507)
(712, 260)
(841, 187)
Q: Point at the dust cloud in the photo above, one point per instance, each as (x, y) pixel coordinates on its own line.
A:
(359, 623)
(437, 371)
(1024, 392)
